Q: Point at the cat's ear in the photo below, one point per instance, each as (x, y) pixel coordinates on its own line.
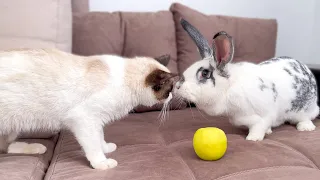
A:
(164, 59)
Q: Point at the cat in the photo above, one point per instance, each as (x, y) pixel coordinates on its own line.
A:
(50, 90)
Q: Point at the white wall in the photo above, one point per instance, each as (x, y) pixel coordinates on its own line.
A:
(315, 44)
(296, 18)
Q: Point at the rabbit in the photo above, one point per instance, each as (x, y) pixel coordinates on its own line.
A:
(256, 96)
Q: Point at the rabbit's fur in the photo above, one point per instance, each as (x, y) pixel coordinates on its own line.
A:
(257, 96)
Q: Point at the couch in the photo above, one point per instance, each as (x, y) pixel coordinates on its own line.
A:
(148, 149)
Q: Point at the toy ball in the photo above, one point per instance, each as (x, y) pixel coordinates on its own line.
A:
(210, 143)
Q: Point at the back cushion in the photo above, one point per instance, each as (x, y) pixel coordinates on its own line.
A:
(36, 24)
(97, 33)
(150, 34)
(255, 39)
(127, 34)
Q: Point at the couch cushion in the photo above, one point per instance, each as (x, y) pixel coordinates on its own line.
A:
(150, 34)
(255, 39)
(22, 167)
(127, 34)
(36, 24)
(80, 6)
(150, 150)
(97, 33)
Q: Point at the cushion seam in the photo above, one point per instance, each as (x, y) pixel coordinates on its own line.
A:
(259, 169)
(190, 172)
(296, 151)
(60, 141)
(34, 169)
(178, 156)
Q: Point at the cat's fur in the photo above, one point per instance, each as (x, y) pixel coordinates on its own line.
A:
(47, 90)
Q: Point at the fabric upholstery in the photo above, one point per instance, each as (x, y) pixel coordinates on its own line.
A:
(148, 149)
(22, 167)
(255, 39)
(80, 6)
(97, 33)
(36, 24)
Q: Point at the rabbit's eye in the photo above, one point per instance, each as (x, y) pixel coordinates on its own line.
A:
(206, 74)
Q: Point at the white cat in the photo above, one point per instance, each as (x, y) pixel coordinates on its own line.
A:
(257, 96)
(47, 90)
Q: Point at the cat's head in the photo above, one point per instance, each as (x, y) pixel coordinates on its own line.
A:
(158, 81)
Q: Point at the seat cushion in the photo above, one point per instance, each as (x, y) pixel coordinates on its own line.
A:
(148, 149)
(255, 39)
(22, 167)
(36, 24)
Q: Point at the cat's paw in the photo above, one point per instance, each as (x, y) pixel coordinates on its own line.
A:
(306, 126)
(25, 148)
(106, 164)
(109, 147)
(269, 131)
(254, 137)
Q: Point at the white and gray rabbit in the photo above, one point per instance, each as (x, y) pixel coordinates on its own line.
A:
(257, 96)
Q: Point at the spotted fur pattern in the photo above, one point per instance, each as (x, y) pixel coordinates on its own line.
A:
(257, 96)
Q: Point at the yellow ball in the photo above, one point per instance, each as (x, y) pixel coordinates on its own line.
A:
(210, 143)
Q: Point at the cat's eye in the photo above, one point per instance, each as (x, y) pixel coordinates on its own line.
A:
(156, 87)
(206, 74)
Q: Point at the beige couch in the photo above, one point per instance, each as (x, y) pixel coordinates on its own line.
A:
(146, 149)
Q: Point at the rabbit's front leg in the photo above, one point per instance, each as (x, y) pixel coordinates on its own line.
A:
(258, 127)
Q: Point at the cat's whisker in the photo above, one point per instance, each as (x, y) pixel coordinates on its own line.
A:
(202, 114)
(163, 115)
(191, 111)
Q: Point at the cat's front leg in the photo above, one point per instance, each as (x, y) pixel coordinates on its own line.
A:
(107, 147)
(89, 137)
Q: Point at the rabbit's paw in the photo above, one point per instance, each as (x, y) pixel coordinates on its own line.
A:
(269, 131)
(255, 137)
(306, 126)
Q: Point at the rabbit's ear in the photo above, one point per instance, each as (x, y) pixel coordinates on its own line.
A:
(223, 49)
(202, 44)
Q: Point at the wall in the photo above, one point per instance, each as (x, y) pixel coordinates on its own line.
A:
(315, 44)
(295, 17)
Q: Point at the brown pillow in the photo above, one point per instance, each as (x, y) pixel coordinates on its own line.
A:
(97, 33)
(255, 39)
